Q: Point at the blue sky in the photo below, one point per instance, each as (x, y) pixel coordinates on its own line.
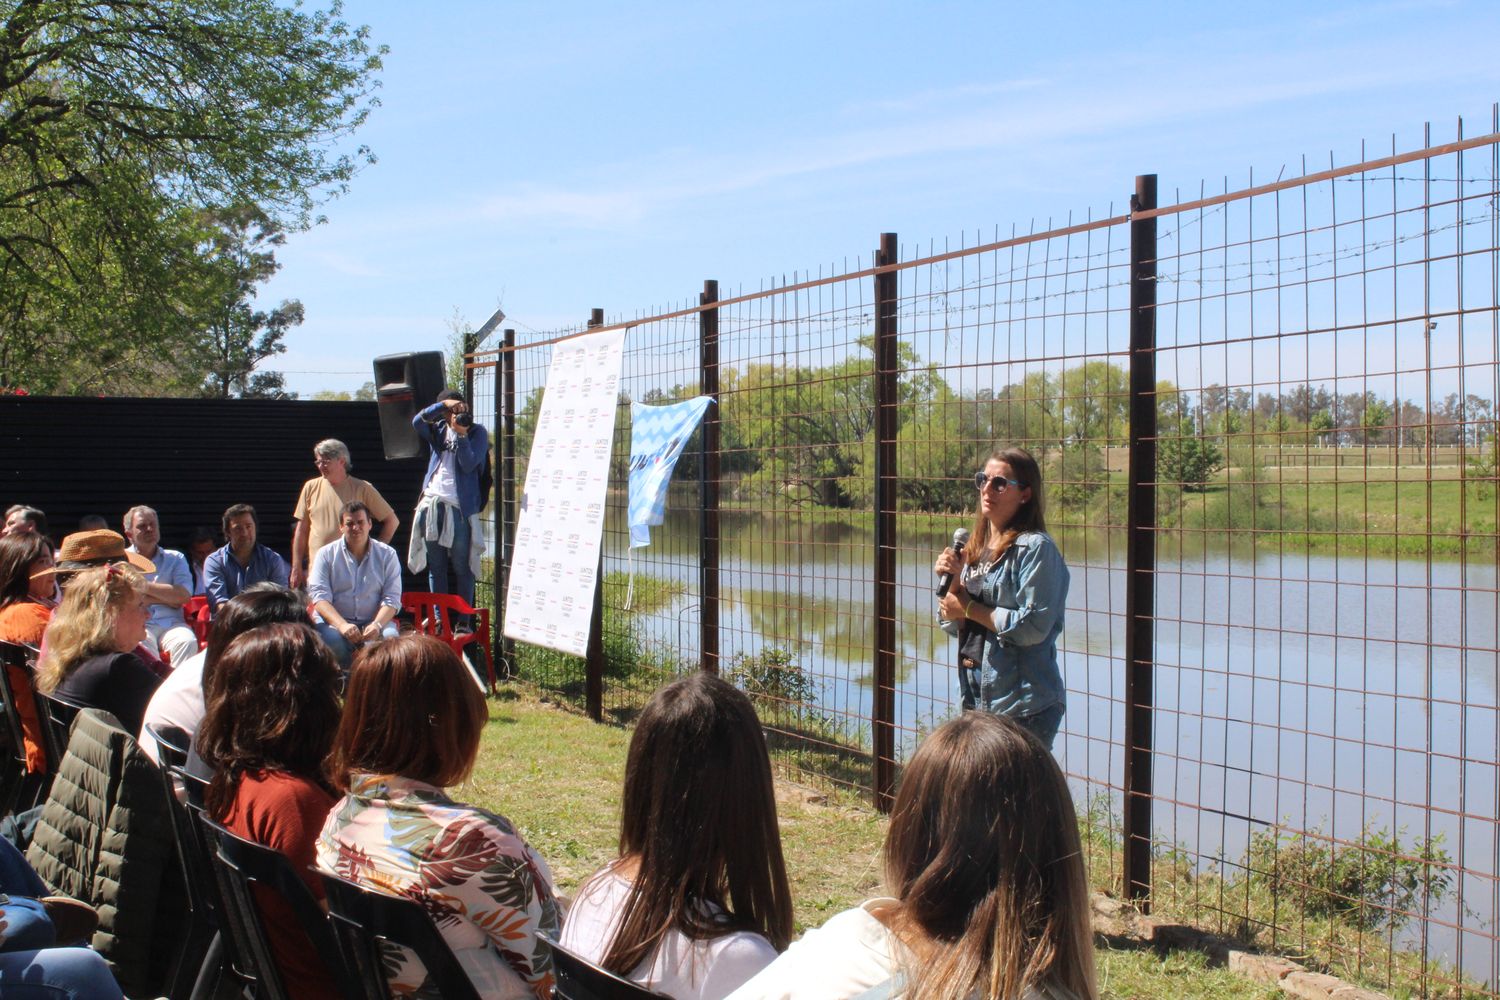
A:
(548, 158)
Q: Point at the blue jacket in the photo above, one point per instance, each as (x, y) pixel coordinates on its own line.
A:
(470, 455)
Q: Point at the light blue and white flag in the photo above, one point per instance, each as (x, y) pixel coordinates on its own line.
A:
(657, 436)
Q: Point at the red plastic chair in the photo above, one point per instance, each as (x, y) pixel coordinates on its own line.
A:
(432, 614)
(198, 618)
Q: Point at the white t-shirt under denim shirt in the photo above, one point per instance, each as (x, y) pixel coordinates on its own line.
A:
(681, 968)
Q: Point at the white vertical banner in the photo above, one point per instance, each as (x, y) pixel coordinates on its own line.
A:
(560, 528)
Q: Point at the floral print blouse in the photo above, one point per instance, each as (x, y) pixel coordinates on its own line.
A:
(487, 890)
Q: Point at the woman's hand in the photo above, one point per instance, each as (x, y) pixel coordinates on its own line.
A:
(949, 562)
(951, 607)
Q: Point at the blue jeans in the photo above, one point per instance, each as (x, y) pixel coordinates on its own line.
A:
(30, 968)
(455, 558)
(1043, 725)
(56, 974)
(342, 651)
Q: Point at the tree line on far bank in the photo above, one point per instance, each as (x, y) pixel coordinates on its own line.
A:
(805, 435)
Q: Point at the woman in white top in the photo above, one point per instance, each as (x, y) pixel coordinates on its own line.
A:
(698, 901)
(989, 895)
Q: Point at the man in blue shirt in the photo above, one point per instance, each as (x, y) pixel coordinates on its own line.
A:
(168, 589)
(242, 562)
(446, 533)
(355, 586)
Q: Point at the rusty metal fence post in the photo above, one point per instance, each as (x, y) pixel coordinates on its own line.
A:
(1140, 555)
(505, 528)
(883, 723)
(708, 484)
(593, 667)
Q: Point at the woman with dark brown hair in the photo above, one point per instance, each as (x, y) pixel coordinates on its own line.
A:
(1005, 602)
(698, 900)
(989, 896)
(273, 707)
(412, 723)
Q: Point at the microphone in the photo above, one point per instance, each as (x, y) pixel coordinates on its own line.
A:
(960, 539)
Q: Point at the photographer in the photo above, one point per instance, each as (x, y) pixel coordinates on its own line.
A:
(446, 533)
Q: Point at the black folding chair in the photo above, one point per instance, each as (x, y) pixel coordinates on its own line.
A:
(580, 979)
(172, 744)
(364, 920)
(57, 714)
(240, 865)
(197, 873)
(20, 787)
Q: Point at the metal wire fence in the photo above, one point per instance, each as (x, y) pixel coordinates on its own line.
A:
(1266, 422)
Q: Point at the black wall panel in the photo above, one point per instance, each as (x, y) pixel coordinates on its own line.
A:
(188, 458)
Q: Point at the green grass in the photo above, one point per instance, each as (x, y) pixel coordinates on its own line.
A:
(557, 775)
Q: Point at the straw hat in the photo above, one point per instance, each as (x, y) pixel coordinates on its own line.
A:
(85, 549)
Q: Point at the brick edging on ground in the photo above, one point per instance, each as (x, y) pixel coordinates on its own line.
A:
(1120, 921)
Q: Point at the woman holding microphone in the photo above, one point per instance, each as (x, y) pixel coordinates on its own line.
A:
(1005, 599)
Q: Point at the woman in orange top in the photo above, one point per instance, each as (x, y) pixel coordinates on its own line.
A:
(27, 597)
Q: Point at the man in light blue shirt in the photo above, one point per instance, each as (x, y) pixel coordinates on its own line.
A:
(355, 586)
(242, 562)
(168, 589)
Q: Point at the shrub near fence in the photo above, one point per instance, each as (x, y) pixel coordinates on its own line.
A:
(1282, 701)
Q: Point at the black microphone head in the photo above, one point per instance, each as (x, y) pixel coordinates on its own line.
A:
(960, 538)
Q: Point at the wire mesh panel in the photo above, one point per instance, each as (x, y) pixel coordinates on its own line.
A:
(1322, 616)
(1326, 629)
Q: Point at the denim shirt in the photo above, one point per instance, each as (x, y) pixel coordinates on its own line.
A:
(224, 577)
(1027, 587)
(469, 452)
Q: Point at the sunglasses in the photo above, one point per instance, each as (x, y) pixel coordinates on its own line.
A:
(997, 483)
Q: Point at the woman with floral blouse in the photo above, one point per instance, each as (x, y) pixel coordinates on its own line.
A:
(411, 726)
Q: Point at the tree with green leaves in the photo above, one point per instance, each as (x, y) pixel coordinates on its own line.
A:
(237, 337)
(1187, 459)
(121, 125)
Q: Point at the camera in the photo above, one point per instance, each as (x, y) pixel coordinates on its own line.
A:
(464, 419)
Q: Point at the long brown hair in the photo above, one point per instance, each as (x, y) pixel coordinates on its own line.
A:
(272, 705)
(983, 853)
(699, 815)
(84, 624)
(412, 709)
(984, 538)
(17, 553)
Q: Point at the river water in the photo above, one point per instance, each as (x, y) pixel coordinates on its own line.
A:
(1323, 693)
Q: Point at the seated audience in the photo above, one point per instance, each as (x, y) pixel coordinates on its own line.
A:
(38, 938)
(201, 544)
(20, 519)
(168, 587)
(355, 585)
(180, 701)
(411, 726)
(89, 656)
(28, 593)
(273, 707)
(983, 857)
(242, 562)
(697, 902)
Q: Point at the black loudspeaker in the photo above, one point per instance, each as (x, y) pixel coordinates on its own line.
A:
(405, 384)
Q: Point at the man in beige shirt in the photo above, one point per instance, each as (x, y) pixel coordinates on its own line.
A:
(321, 499)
